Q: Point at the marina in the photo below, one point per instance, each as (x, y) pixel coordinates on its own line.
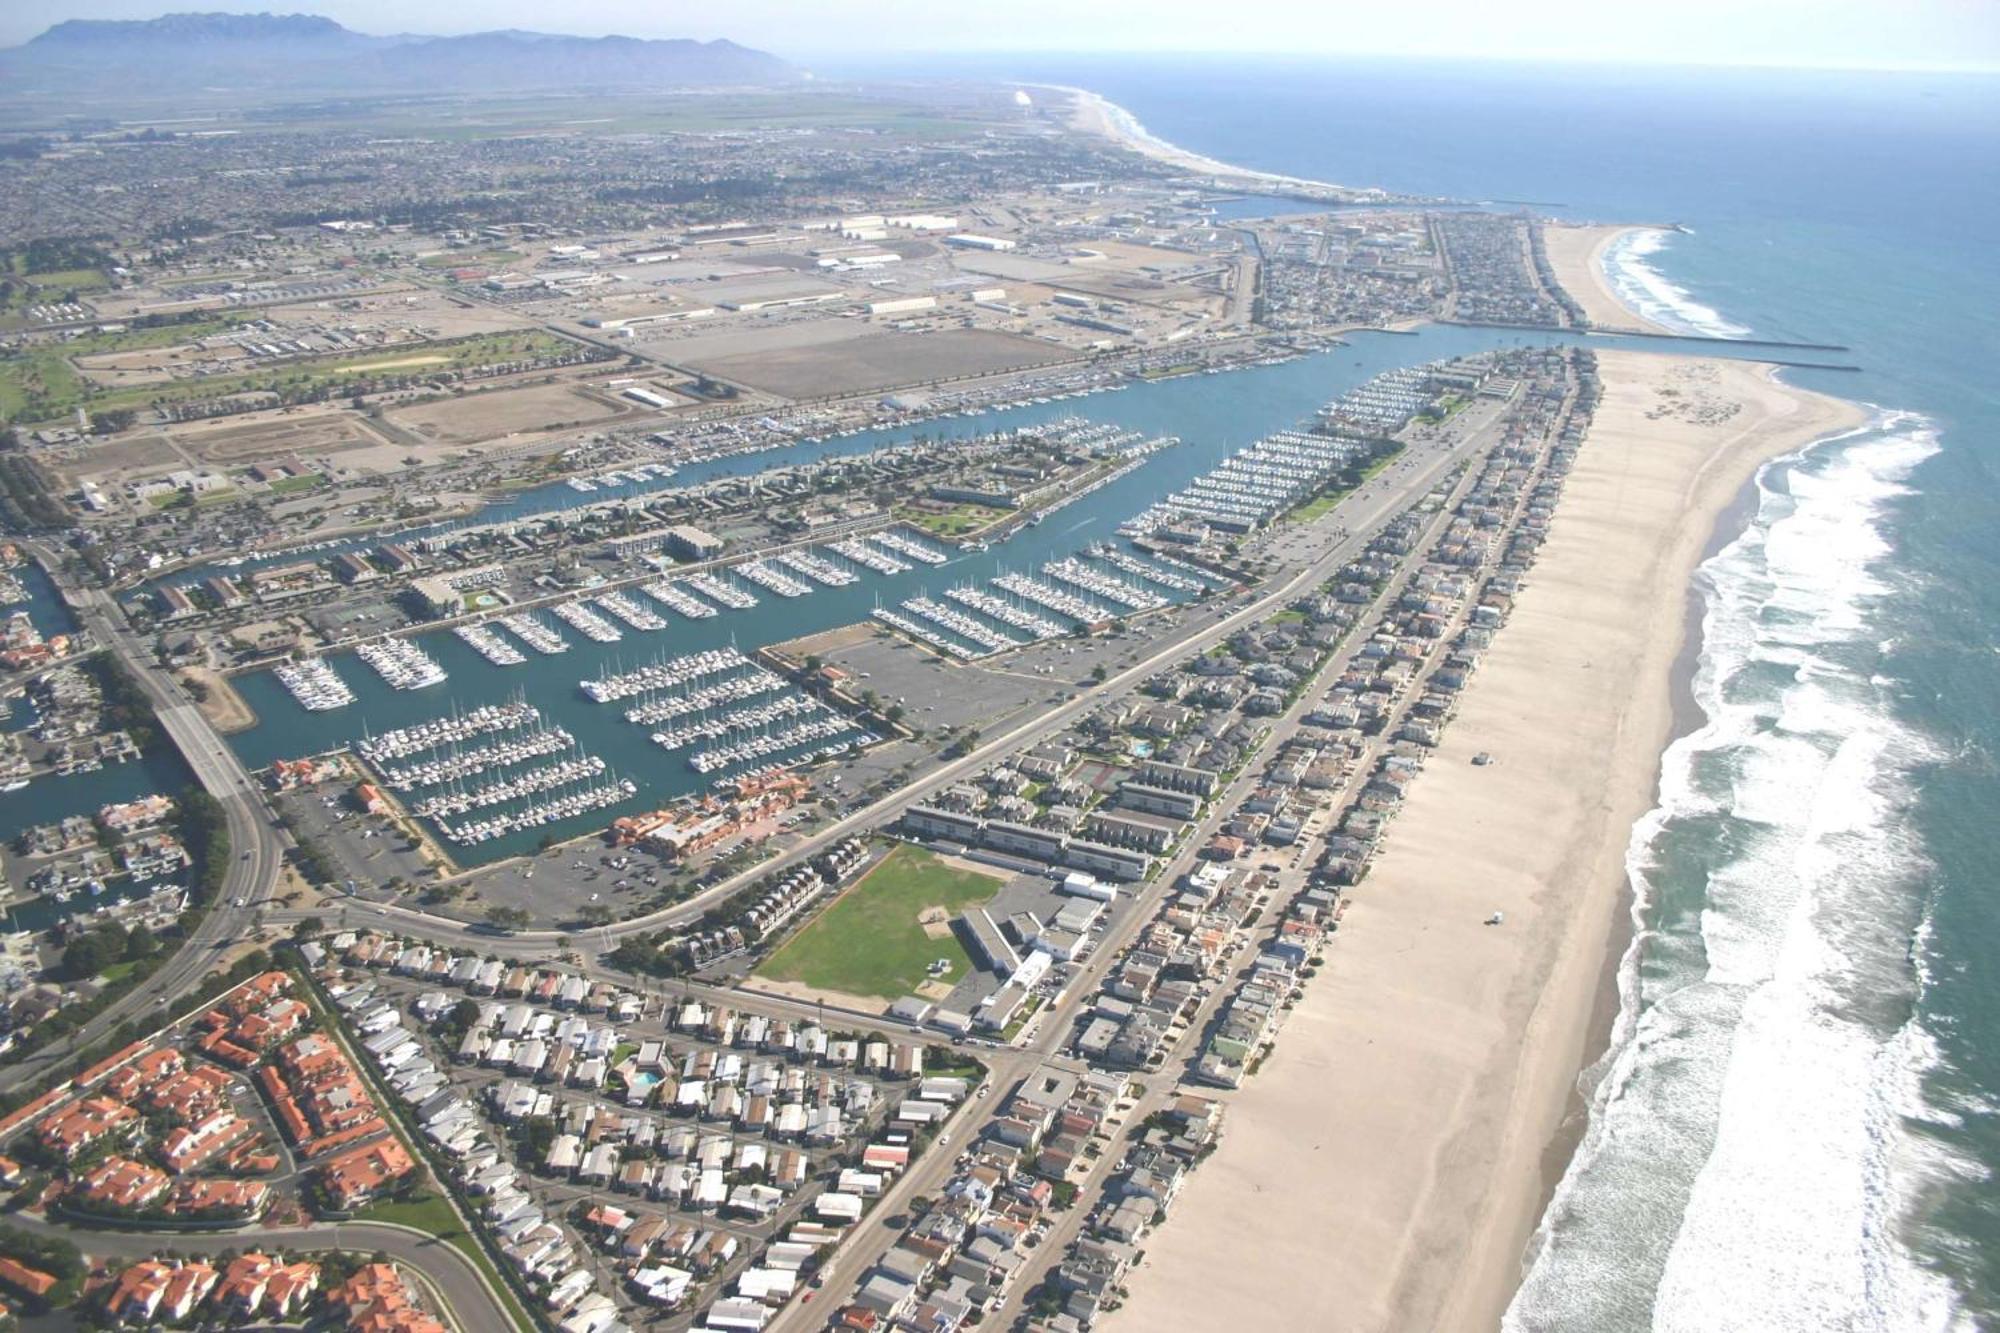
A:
(534, 632)
(902, 544)
(770, 579)
(1077, 574)
(1006, 612)
(586, 622)
(754, 684)
(1053, 599)
(1212, 415)
(315, 684)
(960, 624)
(665, 673)
(762, 715)
(869, 556)
(456, 763)
(763, 745)
(1117, 559)
(574, 803)
(512, 788)
(922, 632)
(490, 645)
(631, 612)
(727, 595)
(817, 568)
(402, 664)
(678, 600)
(441, 731)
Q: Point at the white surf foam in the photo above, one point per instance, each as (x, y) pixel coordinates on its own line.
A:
(1747, 1165)
(1650, 293)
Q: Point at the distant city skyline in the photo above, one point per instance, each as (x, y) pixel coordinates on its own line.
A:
(1862, 34)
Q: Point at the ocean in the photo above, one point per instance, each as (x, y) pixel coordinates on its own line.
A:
(1798, 1119)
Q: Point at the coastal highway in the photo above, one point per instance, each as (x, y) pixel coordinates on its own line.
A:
(1415, 472)
(470, 1303)
(256, 851)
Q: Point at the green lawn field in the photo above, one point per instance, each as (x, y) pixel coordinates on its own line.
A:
(870, 942)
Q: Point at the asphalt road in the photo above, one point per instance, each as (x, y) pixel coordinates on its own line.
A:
(256, 851)
(865, 1247)
(250, 878)
(470, 1303)
(1382, 498)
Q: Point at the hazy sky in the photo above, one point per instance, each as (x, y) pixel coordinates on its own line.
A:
(1870, 33)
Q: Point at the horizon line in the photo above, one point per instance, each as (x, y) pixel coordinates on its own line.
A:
(917, 52)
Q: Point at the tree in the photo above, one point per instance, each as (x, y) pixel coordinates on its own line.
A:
(140, 943)
(508, 918)
(90, 954)
(307, 927)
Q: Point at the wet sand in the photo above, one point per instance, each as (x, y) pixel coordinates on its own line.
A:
(1387, 1167)
(1576, 254)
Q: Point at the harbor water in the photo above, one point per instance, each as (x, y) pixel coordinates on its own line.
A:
(1798, 1122)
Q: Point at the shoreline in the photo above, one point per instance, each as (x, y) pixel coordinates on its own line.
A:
(1424, 1099)
(1576, 254)
(1688, 718)
(1098, 116)
(223, 706)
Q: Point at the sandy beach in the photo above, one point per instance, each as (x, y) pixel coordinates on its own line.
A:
(1092, 114)
(1576, 253)
(225, 709)
(1386, 1168)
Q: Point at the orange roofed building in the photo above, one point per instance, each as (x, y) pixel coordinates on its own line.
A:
(75, 1129)
(119, 1183)
(22, 1278)
(151, 1290)
(358, 1175)
(257, 1282)
(376, 1300)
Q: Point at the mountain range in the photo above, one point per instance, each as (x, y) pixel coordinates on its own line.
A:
(308, 52)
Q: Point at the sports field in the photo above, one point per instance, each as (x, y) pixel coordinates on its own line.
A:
(871, 942)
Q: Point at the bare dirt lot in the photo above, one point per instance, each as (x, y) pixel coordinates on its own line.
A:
(310, 435)
(130, 456)
(874, 360)
(485, 416)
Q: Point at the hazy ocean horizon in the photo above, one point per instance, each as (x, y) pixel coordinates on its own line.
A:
(1798, 1121)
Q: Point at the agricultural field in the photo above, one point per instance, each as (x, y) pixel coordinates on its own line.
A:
(881, 937)
(41, 382)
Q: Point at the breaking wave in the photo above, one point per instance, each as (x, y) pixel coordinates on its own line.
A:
(1750, 1161)
(1649, 293)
